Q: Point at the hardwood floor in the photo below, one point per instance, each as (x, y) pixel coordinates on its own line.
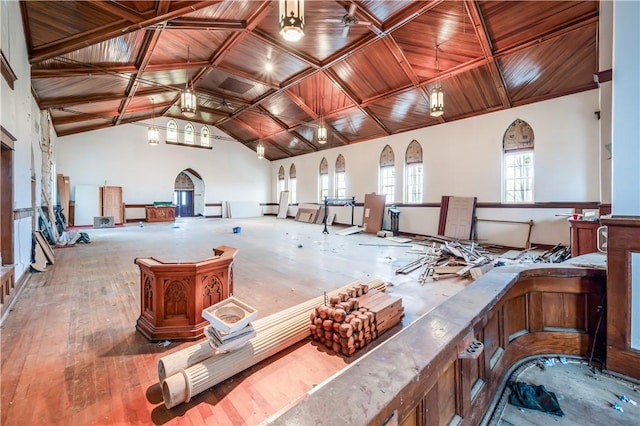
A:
(71, 354)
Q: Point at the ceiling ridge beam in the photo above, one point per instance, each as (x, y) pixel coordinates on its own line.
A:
(105, 32)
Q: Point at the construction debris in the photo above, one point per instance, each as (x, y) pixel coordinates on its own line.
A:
(444, 257)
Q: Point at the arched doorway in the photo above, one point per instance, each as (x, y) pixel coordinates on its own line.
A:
(188, 194)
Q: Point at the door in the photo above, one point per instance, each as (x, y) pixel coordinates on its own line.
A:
(87, 204)
(112, 203)
(183, 199)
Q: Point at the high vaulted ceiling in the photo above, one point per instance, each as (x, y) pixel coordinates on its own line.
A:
(97, 64)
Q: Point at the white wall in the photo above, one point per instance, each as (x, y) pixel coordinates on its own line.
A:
(120, 156)
(19, 115)
(464, 158)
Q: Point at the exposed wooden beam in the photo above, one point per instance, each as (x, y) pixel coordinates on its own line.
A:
(590, 19)
(336, 80)
(79, 100)
(151, 38)
(113, 69)
(118, 10)
(472, 9)
(205, 24)
(102, 33)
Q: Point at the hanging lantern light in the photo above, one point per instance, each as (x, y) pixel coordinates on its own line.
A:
(260, 150)
(292, 19)
(436, 102)
(322, 133)
(153, 136)
(188, 102)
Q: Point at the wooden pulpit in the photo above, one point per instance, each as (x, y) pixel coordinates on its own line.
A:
(173, 295)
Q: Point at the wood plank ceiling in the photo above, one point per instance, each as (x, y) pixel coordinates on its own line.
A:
(104, 63)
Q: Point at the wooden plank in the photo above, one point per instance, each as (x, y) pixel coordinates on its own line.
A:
(373, 213)
(64, 194)
(46, 248)
(283, 207)
(349, 231)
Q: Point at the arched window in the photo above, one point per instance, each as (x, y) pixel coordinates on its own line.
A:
(204, 136)
(281, 181)
(388, 174)
(340, 187)
(172, 131)
(292, 184)
(323, 181)
(189, 137)
(413, 173)
(517, 160)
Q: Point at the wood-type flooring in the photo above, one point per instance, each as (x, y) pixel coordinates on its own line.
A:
(71, 354)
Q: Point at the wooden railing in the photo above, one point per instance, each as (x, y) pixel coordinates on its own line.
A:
(450, 363)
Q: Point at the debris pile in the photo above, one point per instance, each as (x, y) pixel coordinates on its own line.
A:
(443, 258)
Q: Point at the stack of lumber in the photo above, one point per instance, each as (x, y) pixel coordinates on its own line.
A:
(196, 368)
(354, 318)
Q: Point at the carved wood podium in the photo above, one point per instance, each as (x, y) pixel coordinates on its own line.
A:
(160, 213)
(173, 295)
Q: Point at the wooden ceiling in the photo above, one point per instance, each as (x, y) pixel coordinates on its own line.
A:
(103, 63)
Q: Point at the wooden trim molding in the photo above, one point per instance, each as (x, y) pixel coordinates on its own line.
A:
(6, 70)
(7, 138)
(188, 145)
(22, 213)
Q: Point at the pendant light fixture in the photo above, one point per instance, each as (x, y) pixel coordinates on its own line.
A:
(153, 136)
(322, 129)
(322, 132)
(260, 147)
(437, 95)
(292, 19)
(188, 99)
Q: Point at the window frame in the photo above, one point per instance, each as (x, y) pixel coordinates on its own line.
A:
(529, 175)
(340, 186)
(414, 183)
(172, 131)
(189, 134)
(390, 195)
(205, 134)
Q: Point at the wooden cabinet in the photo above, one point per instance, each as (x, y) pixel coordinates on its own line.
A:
(161, 213)
(584, 237)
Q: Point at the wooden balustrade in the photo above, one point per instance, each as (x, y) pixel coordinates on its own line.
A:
(425, 375)
(173, 295)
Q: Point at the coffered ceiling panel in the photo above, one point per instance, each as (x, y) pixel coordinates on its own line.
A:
(364, 67)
